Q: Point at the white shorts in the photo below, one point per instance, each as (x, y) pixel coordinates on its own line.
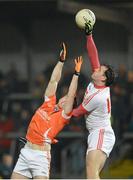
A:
(102, 139)
(33, 163)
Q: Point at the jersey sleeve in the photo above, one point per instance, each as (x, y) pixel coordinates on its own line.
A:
(49, 102)
(92, 53)
(79, 111)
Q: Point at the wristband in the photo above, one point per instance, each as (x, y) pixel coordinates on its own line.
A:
(77, 73)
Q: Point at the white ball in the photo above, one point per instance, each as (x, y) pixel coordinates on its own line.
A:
(85, 16)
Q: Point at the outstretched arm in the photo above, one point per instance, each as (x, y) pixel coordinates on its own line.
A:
(95, 64)
(73, 87)
(79, 111)
(56, 74)
(91, 49)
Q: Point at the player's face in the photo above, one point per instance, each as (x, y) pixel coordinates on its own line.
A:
(62, 102)
(99, 75)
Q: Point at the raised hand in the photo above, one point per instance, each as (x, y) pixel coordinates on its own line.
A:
(63, 52)
(88, 28)
(78, 63)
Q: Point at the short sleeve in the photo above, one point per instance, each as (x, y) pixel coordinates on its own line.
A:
(91, 103)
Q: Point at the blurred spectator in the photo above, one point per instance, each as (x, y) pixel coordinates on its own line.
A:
(130, 125)
(15, 113)
(122, 77)
(6, 166)
(119, 113)
(20, 115)
(12, 77)
(24, 120)
(3, 85)
(3, 89)
(6, 126)
(121, 97)
(130, 87)
(38, 90)
(38, 87)
(16, 84)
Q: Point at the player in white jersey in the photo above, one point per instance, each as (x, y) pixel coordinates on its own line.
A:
(96, 107)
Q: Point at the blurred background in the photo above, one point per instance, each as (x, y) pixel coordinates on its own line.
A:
(30, 36)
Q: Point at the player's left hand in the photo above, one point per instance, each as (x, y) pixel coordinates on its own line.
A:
(78, 63)
(88, 28)
(63, 52)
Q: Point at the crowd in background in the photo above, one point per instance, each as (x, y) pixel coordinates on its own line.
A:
(15, 114)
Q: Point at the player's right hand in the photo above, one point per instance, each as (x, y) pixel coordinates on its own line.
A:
(88, 28)
(78, 63)
(63, 52)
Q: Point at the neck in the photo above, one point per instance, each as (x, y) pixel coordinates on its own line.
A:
(99, 85)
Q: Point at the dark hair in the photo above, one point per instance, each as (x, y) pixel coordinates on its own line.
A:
(110, 75)
(75, 104)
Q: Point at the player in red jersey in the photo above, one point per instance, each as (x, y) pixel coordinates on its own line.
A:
(48, 120)
(96, 107)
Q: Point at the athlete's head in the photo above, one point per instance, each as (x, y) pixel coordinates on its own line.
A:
(103, 76)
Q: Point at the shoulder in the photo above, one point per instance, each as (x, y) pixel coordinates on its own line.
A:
(49, 101)
(49, 98)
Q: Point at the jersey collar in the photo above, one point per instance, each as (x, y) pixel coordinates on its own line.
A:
(99, 87)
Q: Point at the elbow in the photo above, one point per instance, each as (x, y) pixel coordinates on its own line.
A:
(80, 111)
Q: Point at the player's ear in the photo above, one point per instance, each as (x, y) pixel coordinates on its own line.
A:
(103, 78)
(75, 104)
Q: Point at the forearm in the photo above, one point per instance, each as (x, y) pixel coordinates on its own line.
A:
(71, 94)
(79, 111)
(56, 74)
(73, 86)
(55, 77)
(92, 53)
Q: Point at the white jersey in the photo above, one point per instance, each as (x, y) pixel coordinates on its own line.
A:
(97, 102)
